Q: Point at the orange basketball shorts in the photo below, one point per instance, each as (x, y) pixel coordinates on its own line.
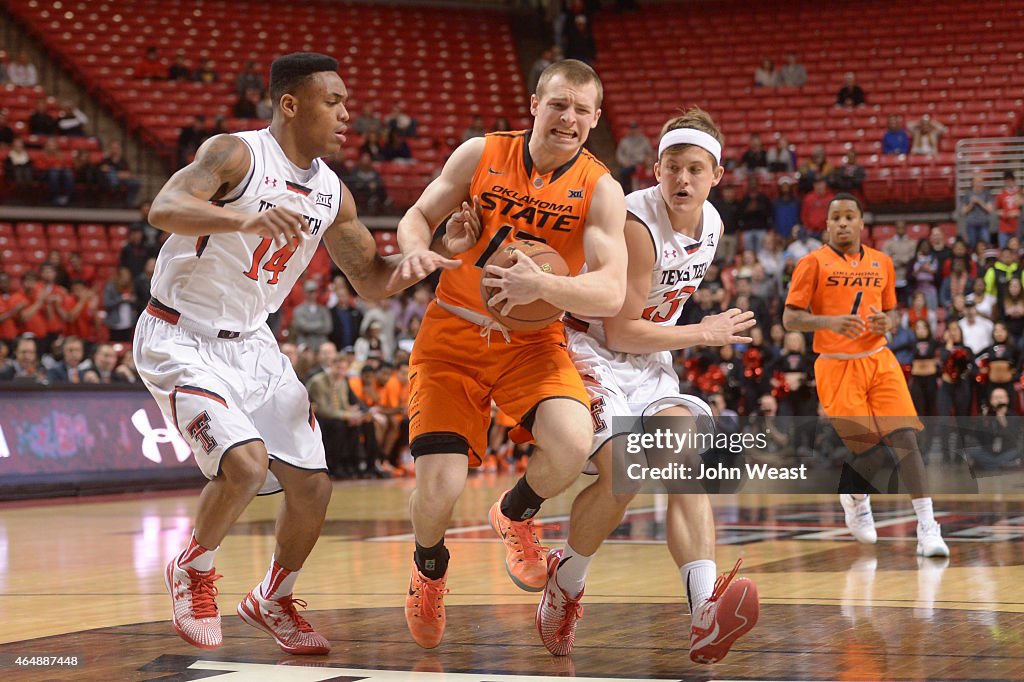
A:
(866, 398)
(454, 373)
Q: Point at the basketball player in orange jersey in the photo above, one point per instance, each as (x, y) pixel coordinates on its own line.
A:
(672, 234)
(538, 184)
(843, 293)
(205, 352)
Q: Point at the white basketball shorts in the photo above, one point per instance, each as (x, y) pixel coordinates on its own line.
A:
(222, 393)
(625, 385)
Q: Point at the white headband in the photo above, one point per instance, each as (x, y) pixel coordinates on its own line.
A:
(691, 136)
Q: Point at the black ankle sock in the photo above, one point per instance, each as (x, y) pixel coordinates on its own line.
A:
(432, 561)
(522, 502)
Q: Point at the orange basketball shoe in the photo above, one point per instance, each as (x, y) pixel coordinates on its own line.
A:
(280, 619)
(424, 608)
(524, 558)
(729, 614)
(194, 605)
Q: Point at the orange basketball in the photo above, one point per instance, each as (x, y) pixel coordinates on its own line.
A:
(536, 314)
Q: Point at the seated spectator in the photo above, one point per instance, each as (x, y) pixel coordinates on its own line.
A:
(501, 124)
(245, 106)
(341, 416)
(996, 444)
(80, 310)
(117, 175)
(119, 299)
(22, 71)
(179, 71)
(103, 367)
(815, 168)
(26, 368)
(926, 133)
(346, 317)
(851, 94)
(190, 138)
(248, 79)
(265, 107)
(896, 140)
(311, 321)
(977, 208)
(755, 217)
(151, 65)
(395, 147)
(6, 131)
(367, 187)
(18, 167)
(814, 208)
(546, 59)
(40, 122)
(849, 177)
(70, 368)
(755, 157)
(77, 270)
(475, 128)
(85, 171)
(368, 121)
(579, 40)
(923, 271)
(56, 169)
(206, 73)
(135, 252)
(781, 158)
(401, 122)
(10, 310)
(372, 146)
(765, 76)
(786, 207)
(71, 120)
(901, 249)
(792, 74)
(634, 150)
(771, 257)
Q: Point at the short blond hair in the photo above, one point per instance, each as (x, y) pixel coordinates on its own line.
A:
(697, 119)
(574, 72)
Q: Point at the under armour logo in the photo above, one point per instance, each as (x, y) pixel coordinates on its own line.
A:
(267, 180)
(671, 253)
(199, 430)
(152, 438)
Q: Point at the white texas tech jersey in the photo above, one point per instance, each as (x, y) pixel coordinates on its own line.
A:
(679, 261)
(232, 280)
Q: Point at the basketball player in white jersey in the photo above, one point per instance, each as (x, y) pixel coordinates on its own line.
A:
(246, 217)
(672, 232)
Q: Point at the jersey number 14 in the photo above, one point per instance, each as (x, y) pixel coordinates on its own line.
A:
(275, 265)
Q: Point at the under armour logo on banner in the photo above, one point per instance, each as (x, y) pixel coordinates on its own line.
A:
(152, 438)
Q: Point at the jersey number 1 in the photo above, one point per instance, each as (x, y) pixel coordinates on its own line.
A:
(275, 265)
(856, 302)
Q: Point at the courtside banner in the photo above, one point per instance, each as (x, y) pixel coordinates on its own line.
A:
(812, 455)
(85, 434)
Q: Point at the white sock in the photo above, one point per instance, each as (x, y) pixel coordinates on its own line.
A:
(699, 579)
(572, 571)
(279, 581)
(923, 509)
(196, 556)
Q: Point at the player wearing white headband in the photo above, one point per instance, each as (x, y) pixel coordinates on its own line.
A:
(672, 232)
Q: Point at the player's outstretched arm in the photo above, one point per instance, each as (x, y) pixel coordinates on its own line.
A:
(353, 249)
(441, 198)
(600, 291)
(630, 332)
(796, 320)
(183, 204)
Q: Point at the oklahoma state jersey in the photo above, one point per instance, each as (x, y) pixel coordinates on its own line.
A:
(518, 203)
(833, 284)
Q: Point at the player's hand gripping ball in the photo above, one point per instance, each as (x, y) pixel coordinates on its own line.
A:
(528, 316)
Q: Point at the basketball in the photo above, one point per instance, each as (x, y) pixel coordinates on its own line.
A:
(536, 314)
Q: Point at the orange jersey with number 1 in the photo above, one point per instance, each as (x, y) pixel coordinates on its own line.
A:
(517, 203)
(831, 283)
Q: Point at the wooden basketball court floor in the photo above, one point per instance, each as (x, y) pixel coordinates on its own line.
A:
(83, 579)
